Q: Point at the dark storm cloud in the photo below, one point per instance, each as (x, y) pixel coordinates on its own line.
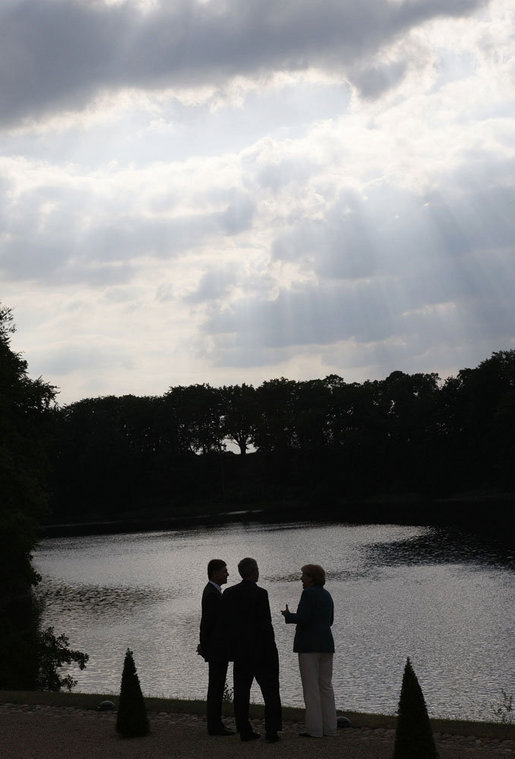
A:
(59, 54)
(374, 80)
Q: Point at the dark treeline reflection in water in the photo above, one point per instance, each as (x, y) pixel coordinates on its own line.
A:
(442, 597)
(447, 546)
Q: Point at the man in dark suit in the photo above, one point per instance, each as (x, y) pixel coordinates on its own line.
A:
(248, 622)
(213, 645)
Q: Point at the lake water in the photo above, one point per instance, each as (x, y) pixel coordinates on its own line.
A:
(438, 597)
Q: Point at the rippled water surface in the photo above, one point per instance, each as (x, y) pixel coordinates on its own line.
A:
(441, 599)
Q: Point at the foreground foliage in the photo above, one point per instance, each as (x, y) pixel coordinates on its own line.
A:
(504, 710)
(413, 736)
(54, 654)
(132, 720)
(29, 657)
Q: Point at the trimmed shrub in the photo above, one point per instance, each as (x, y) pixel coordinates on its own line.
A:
(413, 736)
(132, 720)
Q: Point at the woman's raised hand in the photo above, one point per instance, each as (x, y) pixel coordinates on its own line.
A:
(286, 611)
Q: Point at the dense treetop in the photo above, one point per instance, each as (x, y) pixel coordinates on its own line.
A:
(286, 439)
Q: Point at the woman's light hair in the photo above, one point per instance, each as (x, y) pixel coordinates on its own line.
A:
(316, 572)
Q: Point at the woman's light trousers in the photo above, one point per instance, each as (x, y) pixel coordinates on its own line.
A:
(316, 673)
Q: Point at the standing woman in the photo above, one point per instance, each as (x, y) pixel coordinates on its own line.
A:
(315, 646)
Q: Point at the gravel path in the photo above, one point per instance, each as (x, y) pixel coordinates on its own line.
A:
(45, 732)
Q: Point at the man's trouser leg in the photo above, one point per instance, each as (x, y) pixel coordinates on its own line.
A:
(243, 676)
(268, 680)
(215, 694)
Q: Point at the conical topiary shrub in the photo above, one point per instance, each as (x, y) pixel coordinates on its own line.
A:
(132, 720)
(414, 736)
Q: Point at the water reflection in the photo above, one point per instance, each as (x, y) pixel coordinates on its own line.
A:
(439, 546)
(399, 591)
(98, 601)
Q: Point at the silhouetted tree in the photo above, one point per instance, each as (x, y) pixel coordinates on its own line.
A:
(24, 406)
(28, 656)
(53, 655)
(311, 411)
(239, 414)
(105, 458)
(481, 405)
(407, 403)
(357, 437)
(131, 720)
(197, 412)
(275, 428)
(413, 736)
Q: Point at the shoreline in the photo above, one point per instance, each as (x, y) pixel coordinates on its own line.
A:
(481, 513)
(359, 720)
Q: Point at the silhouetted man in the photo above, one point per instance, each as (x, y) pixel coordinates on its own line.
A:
(246, 612)
(213, 645)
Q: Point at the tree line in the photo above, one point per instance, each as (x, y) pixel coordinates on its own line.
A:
(310, 442)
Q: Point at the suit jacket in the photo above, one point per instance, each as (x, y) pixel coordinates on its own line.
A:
(248, 624)
(212, 637)
(314, 617)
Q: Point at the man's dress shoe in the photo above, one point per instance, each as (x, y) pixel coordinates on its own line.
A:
(222, 731)
(249, 736)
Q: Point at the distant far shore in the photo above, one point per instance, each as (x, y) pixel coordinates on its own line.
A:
(488, 513)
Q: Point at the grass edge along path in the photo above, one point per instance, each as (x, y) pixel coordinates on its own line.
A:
(180, 706)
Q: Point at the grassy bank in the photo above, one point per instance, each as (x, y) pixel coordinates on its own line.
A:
(91, 701)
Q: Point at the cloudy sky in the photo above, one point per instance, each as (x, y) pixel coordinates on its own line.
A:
(229, 191)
